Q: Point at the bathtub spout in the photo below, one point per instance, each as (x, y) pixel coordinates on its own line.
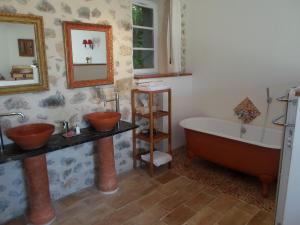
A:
(269, 101)
(241, 114)
(243, 130)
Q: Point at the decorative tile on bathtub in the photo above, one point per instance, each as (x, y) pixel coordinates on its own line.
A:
(246, 111)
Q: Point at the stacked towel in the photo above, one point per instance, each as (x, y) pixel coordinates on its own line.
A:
(152, 86)
(159, 158)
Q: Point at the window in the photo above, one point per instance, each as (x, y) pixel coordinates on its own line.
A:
(144, 16)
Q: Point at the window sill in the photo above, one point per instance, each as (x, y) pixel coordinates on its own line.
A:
(162, 75)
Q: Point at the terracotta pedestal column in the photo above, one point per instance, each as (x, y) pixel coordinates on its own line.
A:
(107, 178)
(40, 207)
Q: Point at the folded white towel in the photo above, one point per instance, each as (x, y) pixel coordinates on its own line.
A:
(152, 86)
(159, 158)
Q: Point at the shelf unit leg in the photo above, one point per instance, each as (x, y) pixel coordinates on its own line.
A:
(133, 111)
(170, 126)
(150, 101)
(151, 117)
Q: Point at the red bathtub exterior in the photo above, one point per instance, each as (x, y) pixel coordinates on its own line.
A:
(251, 159)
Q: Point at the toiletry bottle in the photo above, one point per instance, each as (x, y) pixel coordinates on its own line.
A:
(77, 129)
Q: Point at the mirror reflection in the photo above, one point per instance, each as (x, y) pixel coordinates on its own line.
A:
(89, 54)
(23, 65)
(18, 54)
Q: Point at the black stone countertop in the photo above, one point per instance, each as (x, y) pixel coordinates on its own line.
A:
(57, 142)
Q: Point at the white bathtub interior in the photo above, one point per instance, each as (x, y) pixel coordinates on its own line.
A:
(231, 130)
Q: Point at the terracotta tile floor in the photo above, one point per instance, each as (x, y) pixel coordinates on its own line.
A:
(167, 199)
(226, 181)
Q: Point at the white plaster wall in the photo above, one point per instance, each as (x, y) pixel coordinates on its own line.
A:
(237, 49)
(23, 32)
(182, 106)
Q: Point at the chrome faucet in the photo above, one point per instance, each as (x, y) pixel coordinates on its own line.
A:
(65, 126)
(5, 115)
(116, 99)
(12, 114)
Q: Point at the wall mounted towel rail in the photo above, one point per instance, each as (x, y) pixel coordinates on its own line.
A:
(276, 122)
(285, 98)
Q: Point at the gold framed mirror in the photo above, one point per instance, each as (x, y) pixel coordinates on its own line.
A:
(89, 54)
(23, 66)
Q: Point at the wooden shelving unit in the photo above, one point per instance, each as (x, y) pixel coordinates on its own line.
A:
(156, 137)
(156, 115)
(151, 116)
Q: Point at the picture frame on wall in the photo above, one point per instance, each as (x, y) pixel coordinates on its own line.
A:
(26, 47)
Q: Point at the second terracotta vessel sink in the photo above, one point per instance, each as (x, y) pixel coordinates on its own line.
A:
(103, 121)
(31, 136)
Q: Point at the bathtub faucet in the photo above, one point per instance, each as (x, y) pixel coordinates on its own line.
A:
(243, 130)
(241, 114)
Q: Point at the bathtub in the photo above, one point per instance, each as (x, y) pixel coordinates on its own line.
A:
(219, 141)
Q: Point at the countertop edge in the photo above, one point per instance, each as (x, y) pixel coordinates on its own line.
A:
(58, 142)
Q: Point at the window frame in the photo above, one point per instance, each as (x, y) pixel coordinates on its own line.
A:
(152, 5)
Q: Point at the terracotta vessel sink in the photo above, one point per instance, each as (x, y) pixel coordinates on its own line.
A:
(103, 121)
(31, 136)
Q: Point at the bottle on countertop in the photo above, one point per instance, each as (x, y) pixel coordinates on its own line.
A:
(77, 129)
